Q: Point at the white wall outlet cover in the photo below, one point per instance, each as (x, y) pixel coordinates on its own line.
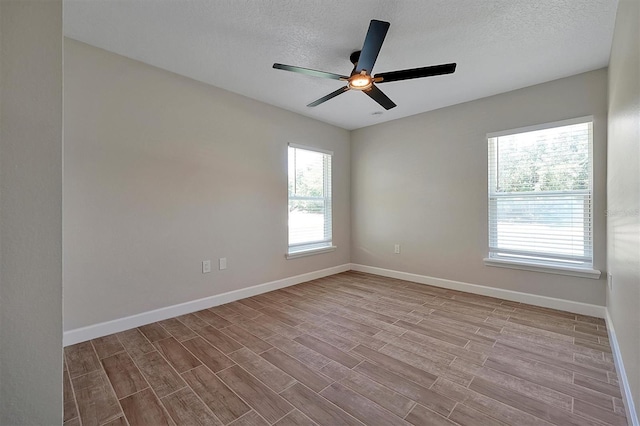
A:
(206, 266)
(396, 249)
(222, 262)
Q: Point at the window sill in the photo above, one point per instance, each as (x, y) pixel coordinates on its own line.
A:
(311, 252)
(593, 274)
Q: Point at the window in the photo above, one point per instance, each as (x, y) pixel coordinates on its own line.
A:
(309, 201)
(540, 197)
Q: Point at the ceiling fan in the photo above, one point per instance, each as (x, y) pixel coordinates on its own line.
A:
(361, 77)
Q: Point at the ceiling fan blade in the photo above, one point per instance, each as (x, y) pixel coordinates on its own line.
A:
(307, 71)
(329, 96)
(372, 45)
(416, 73)
(377, 95)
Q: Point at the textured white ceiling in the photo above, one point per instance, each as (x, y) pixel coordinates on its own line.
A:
(499, 45)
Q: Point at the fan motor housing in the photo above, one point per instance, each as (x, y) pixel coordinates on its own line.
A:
(354, 57)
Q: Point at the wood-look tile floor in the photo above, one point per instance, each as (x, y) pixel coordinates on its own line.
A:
(350, 349)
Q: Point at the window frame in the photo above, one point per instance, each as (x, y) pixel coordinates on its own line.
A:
(326, 244)
(493, 259)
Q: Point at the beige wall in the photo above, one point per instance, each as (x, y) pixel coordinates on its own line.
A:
(421, 182)
(163, 172)
(30, 212)
(623, 189)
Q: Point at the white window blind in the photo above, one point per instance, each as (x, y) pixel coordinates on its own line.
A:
(309, 199)
(540, 195)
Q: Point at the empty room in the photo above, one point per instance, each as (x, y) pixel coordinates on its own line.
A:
(319, 213)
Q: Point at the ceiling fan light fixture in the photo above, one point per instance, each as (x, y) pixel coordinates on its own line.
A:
(360, 81)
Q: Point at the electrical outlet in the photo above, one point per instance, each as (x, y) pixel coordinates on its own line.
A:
(222, 263)
(396, 249)
(206, 266)
(610, 281)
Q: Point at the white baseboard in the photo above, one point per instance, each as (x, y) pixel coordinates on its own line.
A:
(632, 416)
(109, 327)
(515, 296)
